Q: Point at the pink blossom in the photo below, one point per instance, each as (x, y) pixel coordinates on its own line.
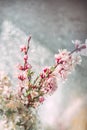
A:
(20, 67)
(77, 59)
(23, 48)
(63, 73)
(64, 69)
(57, 58)
(42, 75)
(25, 57)
(26, 67)
(41, 99)
(62, 56)
(83, 50)
(80, 48)
(21, 77)
(50, 84)
(77, 43)
(46, 70)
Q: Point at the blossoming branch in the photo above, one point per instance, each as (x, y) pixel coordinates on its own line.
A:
(15, 105)
(33, 93)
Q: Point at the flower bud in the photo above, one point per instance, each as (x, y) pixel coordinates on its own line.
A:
(23, 48)
(25, 57)
(41, 99)
(21, 77)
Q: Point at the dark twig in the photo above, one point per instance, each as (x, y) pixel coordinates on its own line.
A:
(28, 44)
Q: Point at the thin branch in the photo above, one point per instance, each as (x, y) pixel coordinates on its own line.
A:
(28, 44)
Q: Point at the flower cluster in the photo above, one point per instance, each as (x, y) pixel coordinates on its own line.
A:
(16, 106)
(66, 63)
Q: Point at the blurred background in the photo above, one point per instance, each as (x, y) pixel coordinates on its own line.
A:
(53, 24)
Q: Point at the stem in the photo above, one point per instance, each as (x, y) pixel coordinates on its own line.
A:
(36, 79)
(28, 44)
(78, 49)
(27, 48)
(73, 51)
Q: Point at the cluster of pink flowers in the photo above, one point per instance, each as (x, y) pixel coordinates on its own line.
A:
(66, 63)
(32, 93)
